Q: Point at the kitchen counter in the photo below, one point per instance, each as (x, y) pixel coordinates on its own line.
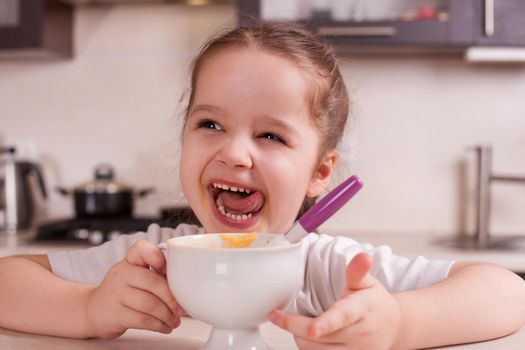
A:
(191, 335)
(510, 254)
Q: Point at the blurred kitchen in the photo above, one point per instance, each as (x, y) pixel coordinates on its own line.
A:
(438, 129)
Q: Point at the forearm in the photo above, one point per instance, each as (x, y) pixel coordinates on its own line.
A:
(34, 300)
(476, 302)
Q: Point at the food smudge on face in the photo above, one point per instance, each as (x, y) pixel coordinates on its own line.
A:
(237, 241)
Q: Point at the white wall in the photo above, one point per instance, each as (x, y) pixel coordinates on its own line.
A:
(116, 101)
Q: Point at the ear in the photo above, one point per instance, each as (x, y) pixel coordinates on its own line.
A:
(322, 174)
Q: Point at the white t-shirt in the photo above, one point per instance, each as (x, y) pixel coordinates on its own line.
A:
(326, 258)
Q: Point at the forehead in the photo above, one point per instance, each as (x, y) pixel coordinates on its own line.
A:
(253, 79)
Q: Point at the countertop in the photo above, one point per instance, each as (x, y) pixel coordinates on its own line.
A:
(507, 252)
(191, 335)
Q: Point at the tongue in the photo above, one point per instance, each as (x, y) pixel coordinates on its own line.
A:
(240, 204)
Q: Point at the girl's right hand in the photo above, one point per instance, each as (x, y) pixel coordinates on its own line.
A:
(132, 295)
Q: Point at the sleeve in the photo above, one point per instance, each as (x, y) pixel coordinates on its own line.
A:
(89, 266)
(327, 257)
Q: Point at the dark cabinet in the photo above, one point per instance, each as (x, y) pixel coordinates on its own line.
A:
(420, 24)
(20, 20)
(35, 28)
(502, 22)
(450, 29)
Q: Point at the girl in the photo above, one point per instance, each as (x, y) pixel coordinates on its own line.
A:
(266, 110)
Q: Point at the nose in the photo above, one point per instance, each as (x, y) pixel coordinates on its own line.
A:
(235, 153)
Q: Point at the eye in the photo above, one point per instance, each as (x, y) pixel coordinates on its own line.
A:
(209, 124)
(272, 137)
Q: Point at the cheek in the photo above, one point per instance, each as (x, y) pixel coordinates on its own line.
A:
(191, 165)
(287, 181)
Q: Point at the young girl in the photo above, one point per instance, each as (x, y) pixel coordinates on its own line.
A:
(266, 111)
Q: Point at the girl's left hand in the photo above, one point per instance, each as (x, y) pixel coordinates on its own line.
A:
(366, 316)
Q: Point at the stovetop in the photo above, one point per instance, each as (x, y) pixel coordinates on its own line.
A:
(97, 230)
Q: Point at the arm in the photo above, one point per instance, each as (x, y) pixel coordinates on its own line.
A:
(34, 300)
(131, 295)
(476, 302)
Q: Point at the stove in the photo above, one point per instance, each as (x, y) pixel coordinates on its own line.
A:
(97, 230)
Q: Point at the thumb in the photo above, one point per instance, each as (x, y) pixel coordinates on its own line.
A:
(146, 254)
(357, 272)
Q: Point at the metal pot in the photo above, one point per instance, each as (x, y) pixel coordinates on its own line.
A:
(104, 197)
(17, 192)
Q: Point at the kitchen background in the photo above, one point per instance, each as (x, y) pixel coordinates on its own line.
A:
(415, 116)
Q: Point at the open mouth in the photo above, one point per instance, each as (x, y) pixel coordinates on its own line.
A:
(236, 205)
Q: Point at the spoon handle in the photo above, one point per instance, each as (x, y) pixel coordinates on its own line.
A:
(329, 204)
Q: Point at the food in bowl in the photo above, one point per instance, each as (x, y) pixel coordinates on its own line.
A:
(237, 240)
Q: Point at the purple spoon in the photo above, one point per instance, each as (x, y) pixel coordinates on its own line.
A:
(320, 211)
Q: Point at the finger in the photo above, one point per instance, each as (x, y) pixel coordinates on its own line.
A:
(138, 320)
(148, 303)
(146, 254)
(295, 324)
(299, 326)
(157, 285)
(341, 314)
(308, 344)
(357, 335)
(357, 272)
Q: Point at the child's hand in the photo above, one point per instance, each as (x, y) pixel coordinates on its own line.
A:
(134, 296)
(366, 316)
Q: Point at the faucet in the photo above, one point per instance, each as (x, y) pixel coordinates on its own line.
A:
(485, 178)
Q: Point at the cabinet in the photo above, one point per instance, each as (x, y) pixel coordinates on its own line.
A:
(502, 22)
(35, 28)
(415, 23)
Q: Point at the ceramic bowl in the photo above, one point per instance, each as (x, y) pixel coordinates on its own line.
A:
(233, 289)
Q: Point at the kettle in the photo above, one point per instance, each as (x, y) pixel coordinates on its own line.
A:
(16, 192)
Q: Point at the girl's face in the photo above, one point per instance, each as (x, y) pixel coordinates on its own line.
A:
(249, 150)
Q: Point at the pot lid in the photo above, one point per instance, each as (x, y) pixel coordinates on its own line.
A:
(103, 182)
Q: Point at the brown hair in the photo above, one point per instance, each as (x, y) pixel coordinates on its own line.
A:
(329, 98)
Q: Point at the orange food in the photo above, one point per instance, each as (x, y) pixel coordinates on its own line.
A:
(237, 241)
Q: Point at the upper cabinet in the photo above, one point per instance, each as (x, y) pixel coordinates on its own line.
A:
(35, 28)
(502, 22)
(402, 23)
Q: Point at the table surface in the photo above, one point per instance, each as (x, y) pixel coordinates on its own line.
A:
(191, 335)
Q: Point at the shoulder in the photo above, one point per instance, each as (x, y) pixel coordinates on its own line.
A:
(160, 234)
(326, 245)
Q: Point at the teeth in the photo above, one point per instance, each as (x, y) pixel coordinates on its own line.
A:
(228, 188)
(220, 205)
(237, 217)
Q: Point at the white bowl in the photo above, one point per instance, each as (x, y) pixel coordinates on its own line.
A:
(233, 289)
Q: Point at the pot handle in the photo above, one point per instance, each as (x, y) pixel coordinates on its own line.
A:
(144, 192)
(62, 190)
(27, 167)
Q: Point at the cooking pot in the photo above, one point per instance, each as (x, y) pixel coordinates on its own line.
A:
(103, 196)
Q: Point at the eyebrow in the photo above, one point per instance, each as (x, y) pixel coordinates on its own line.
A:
(204, 108)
